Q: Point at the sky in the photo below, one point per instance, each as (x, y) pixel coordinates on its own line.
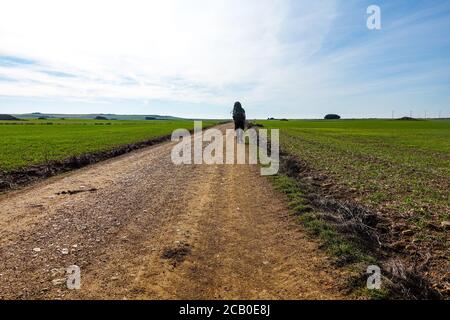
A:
(280, 58)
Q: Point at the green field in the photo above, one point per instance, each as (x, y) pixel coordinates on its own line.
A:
(398, 169)
(36, 141)
(392, 164)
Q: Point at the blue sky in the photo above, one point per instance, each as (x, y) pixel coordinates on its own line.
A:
(280, 58)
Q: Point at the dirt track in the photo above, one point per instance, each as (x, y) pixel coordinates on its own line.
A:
(151, 230)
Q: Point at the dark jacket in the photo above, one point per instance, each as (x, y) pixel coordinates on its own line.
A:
(239, 116)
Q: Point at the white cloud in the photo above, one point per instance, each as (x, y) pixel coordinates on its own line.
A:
(290, 58)
(196, 51)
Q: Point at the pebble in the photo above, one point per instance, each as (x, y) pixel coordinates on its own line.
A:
(37, 249)
(65, 251)
(59, 281)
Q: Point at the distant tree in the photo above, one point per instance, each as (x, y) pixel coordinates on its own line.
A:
(150, 118)
(408, 119)
(332, 116)
(100, 118)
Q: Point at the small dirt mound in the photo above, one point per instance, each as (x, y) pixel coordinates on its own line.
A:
(290, 166)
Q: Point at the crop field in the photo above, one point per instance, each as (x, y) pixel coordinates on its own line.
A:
(36, 141)
(402, 165)
(398, 169)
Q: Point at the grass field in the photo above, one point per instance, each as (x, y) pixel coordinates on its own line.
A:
(397, 164)
(36, 141)
(399, 169)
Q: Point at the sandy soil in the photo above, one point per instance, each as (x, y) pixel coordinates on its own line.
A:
(140, 227)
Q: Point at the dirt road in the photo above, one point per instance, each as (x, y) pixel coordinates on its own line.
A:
(140, 227)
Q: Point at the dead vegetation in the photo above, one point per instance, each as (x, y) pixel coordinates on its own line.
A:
(176, 254)
(71, 192)
(365, 235)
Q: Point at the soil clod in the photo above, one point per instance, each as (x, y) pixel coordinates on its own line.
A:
(177, 254)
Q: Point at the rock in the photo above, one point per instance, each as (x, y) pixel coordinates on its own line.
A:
(114, 278)
(265, 263)
(65, 251)
(37, 249)
(59, 281)
(445, 224)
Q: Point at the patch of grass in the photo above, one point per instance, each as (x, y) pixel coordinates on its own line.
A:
(344, 250)
(358, 283)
